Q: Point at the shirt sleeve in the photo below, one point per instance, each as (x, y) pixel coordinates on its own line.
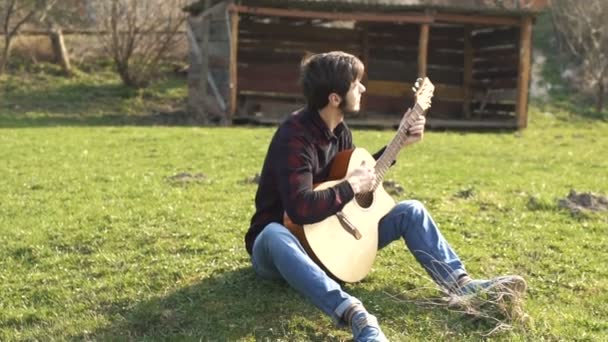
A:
(302, 203)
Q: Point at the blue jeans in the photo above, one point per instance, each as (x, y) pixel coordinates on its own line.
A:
(277, 254)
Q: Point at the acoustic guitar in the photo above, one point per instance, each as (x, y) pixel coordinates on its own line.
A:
(345, 244)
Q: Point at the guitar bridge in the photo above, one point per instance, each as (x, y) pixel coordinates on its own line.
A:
(348, 226)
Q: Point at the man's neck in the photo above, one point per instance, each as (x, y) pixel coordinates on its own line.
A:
(331, 117)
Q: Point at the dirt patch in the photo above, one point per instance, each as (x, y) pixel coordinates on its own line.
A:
(465, 193)
(255, 179)
(393, 187)
(185, 178)
(584, 201)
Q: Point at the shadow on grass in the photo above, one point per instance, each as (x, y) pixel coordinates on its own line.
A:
(236, 304)
(226, 307)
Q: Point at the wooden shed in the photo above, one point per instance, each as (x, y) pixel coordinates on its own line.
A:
(245, 56)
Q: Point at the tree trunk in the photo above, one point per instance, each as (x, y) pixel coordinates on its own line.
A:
(600, 96)
(5, 54)
(59, 51)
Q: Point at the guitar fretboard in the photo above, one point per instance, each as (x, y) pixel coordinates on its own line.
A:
(393, 148)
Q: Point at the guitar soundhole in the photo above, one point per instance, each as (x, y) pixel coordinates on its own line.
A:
(365, 200)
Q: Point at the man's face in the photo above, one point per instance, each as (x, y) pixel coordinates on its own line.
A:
(352, 101)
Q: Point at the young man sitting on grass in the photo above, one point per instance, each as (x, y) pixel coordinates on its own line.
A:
(299, 156)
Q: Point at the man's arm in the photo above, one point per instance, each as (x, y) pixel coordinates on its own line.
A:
(303, 204)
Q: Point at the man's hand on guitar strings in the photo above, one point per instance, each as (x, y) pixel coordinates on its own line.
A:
(362, 179)
(416, 132)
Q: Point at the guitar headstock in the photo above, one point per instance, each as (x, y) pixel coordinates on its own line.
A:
(423, 89)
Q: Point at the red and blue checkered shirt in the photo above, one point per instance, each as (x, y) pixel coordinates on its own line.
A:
(300, 155)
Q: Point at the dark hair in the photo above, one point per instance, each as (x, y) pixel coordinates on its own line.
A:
(326, 73)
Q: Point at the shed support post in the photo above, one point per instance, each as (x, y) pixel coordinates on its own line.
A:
(523, 78)
(233, 90)
(423, 45)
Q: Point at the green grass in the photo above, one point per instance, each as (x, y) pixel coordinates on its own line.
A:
(98, 243)
(37, 96)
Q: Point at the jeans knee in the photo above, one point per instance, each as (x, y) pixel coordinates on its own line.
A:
(411, 207)
(276, 234)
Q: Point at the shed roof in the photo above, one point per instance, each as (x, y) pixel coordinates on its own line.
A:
(494, 7)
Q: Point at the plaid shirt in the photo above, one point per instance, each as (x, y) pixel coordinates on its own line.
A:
(300, 155)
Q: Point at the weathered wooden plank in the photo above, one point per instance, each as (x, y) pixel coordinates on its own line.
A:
(505, 83)
(501, 52)
(391, 70)
(246, 83)
(523, 79)
(412, 31)
(403, 17)
(447, 32)
(495, 95)
(389, 88)
(301, 46)
(404, 90)
(491, 74)
(445, 108)
(475, 19)
(493, 107)
(382, 41)
(498, 63)
(267, 108)
(269, 77)
(455, 66)
(407, 55)
(496, 37)
(449, 92)
(447, 76)
(389, 104)
(444, 44)
(258, 55)
(280, 31)
(447, 58)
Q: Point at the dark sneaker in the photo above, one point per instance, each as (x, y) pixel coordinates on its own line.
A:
(365, 328)
(512, 285)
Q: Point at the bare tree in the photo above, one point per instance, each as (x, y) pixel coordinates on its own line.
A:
(584, 29)
(65, 14)
(15, 13)
(140, 35)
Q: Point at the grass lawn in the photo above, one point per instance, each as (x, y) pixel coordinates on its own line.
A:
(103, 239)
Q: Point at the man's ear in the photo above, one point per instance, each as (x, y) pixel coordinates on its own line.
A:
(335, 99)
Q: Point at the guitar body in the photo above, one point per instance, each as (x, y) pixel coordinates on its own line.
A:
(329, 243)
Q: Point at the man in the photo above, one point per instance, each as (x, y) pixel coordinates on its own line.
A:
(299, 156)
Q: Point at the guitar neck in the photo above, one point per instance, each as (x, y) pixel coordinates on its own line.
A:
(397, 143)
